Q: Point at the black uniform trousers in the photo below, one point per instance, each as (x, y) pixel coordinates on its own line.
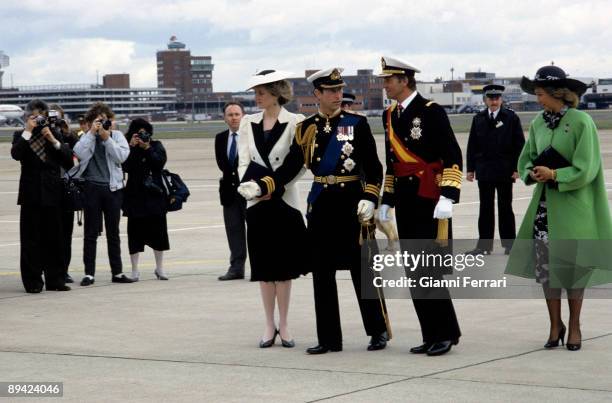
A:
(68, 228)
(99, 200)
(234, 217)
(434, 307)
(486, 216)
(329, 330)
(41, 247)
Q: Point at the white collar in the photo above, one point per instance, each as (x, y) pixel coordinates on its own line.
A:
(283, 116)
(407, 101)
(494, 113)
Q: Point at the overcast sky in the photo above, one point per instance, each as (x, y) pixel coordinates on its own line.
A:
(65, 41)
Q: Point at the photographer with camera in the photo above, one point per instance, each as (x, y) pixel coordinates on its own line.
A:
(61, 130)
(101, 151)
(145, 203)
(41, 154)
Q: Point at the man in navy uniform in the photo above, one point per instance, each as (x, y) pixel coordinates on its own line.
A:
(495, 143)
(338, 147)
(422, 181)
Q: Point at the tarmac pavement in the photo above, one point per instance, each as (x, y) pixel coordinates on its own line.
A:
(193, 338)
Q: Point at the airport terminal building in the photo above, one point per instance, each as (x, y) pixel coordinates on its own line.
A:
(76, 99)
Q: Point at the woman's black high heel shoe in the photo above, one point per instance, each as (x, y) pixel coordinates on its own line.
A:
(555, 343)
(287, 343)
(574, 346)
(269, 343)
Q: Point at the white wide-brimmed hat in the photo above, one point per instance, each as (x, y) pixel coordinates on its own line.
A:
(267, 77)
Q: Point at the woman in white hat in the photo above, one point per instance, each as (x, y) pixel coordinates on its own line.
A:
(275, 225)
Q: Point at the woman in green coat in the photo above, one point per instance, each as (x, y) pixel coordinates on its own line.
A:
(565, 238)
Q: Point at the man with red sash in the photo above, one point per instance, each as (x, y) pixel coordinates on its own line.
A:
(422, 181)
(339, 148)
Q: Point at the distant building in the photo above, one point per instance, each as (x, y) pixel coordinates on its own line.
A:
(77, 98)
(190, 75)
(366, 87)
(116, 81)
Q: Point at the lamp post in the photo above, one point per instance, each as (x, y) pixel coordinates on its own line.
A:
(192, 108)
(452, 70)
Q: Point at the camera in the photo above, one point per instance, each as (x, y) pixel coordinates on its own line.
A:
(145, 137)
(41, 121)
(106, 124)
(54, 120)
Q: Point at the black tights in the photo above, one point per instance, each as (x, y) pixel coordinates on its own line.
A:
(553, 302)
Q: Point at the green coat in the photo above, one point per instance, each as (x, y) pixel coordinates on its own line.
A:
(579, 224)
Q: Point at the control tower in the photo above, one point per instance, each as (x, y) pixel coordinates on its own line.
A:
(4, 62)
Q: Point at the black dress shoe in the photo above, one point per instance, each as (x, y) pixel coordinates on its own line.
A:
(422, 349)
(378, 342)
(34, 290)
(87, 281)
(59, 288)
(68, 279)
(322, 349)
(231, 275)
(441, 347)
(122, 279)
(507, 250)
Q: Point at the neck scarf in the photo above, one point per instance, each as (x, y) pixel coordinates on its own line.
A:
(553, 119)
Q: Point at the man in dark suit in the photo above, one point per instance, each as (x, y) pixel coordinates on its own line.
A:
(422, 181)
(234, 205)
(495, 143)
(41, 155)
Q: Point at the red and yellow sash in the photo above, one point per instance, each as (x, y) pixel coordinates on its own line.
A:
(410, 164)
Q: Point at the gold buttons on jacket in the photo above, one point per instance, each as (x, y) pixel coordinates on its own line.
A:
(342, 185)
(342, 171)
(318, 159)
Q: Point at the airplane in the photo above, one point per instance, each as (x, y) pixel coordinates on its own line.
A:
(11, 115)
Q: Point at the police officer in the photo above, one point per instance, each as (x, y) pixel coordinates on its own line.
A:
(348, 100)
(339, 149)
(422, 181)
(495, 143)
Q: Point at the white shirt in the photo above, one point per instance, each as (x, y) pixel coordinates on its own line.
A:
(229, 141)
(494, 113)
(407, 101)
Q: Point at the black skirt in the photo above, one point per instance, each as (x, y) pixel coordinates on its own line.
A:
(276, 237)
(149, 230)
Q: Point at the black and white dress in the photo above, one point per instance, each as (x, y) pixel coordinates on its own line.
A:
(276, 233)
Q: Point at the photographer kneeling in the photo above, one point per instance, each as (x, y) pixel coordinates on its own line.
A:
(101, 151)
(41, 155)
(145, 202)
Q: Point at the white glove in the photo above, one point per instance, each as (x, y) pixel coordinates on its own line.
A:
(249, 190)
(383, 212)
(365, 210)
(444, 208)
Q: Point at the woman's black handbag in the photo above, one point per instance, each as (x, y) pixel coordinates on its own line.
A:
(552, 159)
(176, 190)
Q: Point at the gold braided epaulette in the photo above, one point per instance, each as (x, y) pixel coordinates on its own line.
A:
(305, 138)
